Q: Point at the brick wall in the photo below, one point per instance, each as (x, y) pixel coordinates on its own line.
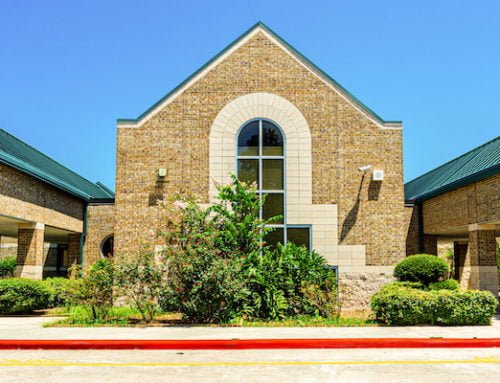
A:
(475, 203)
(343, 139)
(24, 197)
(100, 224)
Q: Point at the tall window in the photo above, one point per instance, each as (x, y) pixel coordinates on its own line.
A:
(261, 160)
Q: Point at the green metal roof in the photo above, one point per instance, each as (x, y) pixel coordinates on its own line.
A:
(479, 163)
(277, 37)
(23, 157)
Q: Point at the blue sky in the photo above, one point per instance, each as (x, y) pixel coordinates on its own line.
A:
(69, 69)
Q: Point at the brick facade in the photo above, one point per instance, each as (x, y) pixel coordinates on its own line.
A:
(478, 202)
(370, 214)
(24, 197)
(100, 223)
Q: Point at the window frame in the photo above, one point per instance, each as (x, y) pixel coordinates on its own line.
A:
(260, 191)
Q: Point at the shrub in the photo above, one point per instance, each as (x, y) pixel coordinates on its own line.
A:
(19, 295)
(457, 308)
(289, 281)
(402, 306)
(95, 290)
(8, 267)
(448, 284)
(206, 287)
(61, 290)
(422, 268)
(141, 281)
(407, 306)
(222, 270)
(396, 284)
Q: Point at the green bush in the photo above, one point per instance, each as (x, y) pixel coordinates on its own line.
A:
(407, 306)
(290, 281)
(422, 268)
(221, 270)
(402, 306)
(448, 284)
(396, 284)
(95, 290)
(8, 267)
(61, 290)
(140, 281)
(19, 295)
(457, 308)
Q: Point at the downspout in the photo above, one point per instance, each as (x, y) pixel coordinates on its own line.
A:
(420, 227)
(82, 237)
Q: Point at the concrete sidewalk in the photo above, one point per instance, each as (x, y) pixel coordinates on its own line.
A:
(31, 328)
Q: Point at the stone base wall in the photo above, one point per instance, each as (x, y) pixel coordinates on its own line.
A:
(357, 288)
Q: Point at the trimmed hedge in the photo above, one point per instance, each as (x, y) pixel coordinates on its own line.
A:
(422, 268)
(18, 295)
(448, 284)
(396, 305)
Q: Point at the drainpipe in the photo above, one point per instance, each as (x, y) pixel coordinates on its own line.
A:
(84, 234)
(420, 227)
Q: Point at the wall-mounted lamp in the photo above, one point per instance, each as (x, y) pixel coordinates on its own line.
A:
(378, 175)
(365, 168)
(162, 172)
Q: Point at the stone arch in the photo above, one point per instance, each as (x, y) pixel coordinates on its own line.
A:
(222, 142)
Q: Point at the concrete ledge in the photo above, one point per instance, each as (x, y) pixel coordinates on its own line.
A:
(244, 344)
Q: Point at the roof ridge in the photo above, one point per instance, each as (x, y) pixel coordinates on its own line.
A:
(320, 73)
(46, 156)
(452, 160)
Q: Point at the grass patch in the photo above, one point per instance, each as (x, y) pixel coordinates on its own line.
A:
(77, 316)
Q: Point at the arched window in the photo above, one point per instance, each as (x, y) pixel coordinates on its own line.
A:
(261, 160)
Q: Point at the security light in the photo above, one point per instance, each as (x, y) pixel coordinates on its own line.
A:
(365, 168)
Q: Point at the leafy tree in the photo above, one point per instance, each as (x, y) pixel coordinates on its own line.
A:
(140, 281)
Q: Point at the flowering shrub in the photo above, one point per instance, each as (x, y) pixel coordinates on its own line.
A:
(223, 270)
(140, 281)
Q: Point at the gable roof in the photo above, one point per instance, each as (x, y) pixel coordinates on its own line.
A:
(23, 157)
(259, 27)
(475, 165)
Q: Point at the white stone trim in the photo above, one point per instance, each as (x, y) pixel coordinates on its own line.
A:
(33, 225)
(293, 54)
(300, 210)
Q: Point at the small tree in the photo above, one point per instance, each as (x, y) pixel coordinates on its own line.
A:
(95, 290)
(141, 282)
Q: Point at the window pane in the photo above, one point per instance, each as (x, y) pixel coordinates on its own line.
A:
(274, 237)
(273, 206)
(272, 141)
(248, 171)
(272, 174)
(248, 140)
(299, 236)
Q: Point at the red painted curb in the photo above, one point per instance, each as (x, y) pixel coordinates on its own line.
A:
(243, 344)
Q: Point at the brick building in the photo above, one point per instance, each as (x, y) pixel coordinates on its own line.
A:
(43, 210)
(259, 109)
(459, 203)
(262, 110)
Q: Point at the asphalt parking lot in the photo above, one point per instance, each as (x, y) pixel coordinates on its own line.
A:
(289, 365)
(382, 365)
